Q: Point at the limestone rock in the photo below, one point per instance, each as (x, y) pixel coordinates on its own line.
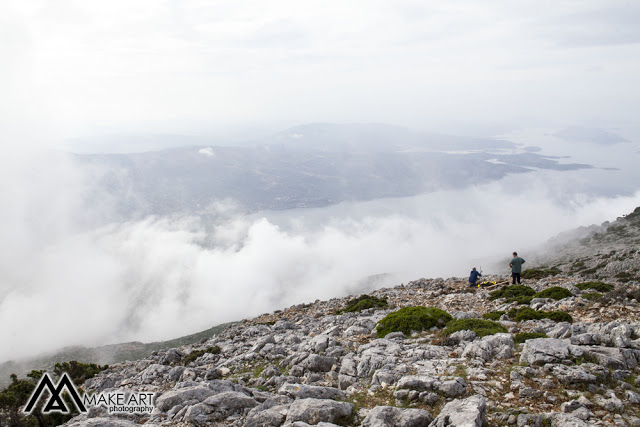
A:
(469, 412)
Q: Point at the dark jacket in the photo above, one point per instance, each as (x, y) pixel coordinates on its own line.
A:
(473, 277)
(516, 264)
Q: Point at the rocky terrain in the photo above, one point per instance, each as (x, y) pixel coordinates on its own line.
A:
(606, 251)
(108, 354)
(309, 365)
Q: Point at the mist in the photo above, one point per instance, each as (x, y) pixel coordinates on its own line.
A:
(71, 278)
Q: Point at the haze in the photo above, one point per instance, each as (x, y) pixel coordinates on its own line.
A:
(94, 68)
(89, 77)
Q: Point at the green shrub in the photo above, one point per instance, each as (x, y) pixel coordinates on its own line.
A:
(197, 353)
(591, 296)
(409, 319)
(523, 336)
(493, 315)
(16, 394)
(527, 313)
(481, 327)
(624, 276)
(596, 286)
(78, 372)
(524, 313)
(521, 300)
(19, 391)
(364, 302)
(594, 269)
(558, 316)
(555, 292)
(514, 293)
(539, 273)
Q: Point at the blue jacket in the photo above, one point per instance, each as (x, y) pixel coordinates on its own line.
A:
(474, 276)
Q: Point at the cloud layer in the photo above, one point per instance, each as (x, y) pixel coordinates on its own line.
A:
(160, 278)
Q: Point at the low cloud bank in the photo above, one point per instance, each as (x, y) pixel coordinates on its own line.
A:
(160, 278)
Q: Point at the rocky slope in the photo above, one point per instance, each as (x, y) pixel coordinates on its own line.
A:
(607, 251)
(309, 365)
(108, 354)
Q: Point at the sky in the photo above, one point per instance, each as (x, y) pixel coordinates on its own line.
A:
(109, 76)
(91, 68)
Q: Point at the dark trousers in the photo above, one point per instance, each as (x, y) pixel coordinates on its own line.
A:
(515, 276)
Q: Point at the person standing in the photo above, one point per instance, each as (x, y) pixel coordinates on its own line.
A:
(473, 277)
(516, 267)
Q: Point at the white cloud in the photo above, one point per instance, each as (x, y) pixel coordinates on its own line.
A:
(207, 152)
(160, 278)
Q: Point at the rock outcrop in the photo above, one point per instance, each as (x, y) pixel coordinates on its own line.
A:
(310, 365)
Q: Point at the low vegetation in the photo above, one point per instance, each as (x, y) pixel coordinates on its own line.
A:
(480, 327)
(19, 391)
(539, 273)
(493, 315)
(596, 286)
(410, 319)
(594, 269)
(364, 302)
(556, 292)
(591, 296)
(527, 313)
(515, 293)
(188, 358)
(524, 336)
(625, 276)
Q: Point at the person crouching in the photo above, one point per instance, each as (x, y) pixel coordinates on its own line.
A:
(473, 278)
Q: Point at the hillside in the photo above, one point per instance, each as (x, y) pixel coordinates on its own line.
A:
(310, 364)
(608, 251)
(105, 355)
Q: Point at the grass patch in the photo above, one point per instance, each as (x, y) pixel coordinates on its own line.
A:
(527, 313)
(409, 319)
(591, 296)
(523, 336)
(539, 273)
(364, 399)
(556, 292)
(363, 302)
(515, 293)
(480, 327)
(596, 286)
(493, 315)
(632, 381)
(197, 353)
(594, 269)
(624, 276)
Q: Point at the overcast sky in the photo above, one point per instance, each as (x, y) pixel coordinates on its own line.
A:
(83, 68)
